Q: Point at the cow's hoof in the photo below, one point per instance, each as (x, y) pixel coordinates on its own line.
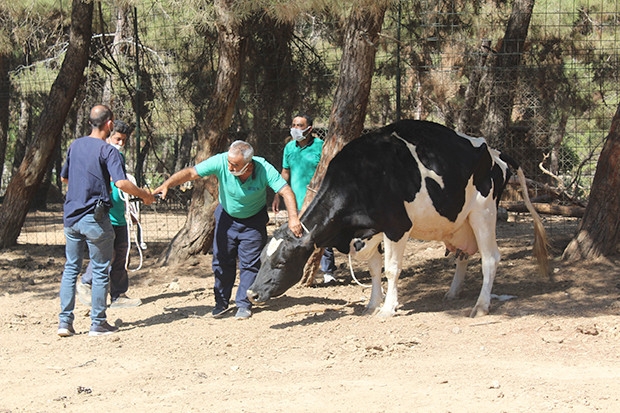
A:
(479, 311)
(369, 311)
(450, 296)
(385, 313)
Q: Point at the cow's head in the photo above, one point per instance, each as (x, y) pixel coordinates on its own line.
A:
(282, 264)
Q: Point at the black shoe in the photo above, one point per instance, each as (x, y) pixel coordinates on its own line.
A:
(65, 330)
(102, 329)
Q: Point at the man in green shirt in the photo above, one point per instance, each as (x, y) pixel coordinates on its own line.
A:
(299, 161)
(240, 218)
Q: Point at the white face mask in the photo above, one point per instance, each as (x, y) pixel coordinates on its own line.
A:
(119, 147)
(241, 171)
(298, 134)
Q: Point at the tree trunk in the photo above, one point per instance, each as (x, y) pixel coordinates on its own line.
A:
(121, 23)
(183, 154)
(598, 233)
(143, 151)
(4, 108)
(543, 208)
(24, 133)
(39, 201)
(26, 182)
(196, 236)
(557, 137)
(271, 78)
(505, 73)
(346, 120)
(469, 120)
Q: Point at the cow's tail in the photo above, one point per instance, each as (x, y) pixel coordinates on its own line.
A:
(541, 244)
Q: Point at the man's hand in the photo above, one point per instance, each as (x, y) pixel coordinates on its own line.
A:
(178, 178)
(291, 207)
(294, 225)
(130, 188)
(162, 190)
(147, 198)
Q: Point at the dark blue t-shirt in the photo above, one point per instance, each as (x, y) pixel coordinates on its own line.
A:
(89, 165)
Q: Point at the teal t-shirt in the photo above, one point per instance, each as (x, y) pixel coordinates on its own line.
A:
(301, 162)
(242, 199)
(117, 211)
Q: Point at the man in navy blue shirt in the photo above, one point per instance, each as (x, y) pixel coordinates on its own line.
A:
(89, 166)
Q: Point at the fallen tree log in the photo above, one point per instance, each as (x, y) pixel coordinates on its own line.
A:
(548, 209)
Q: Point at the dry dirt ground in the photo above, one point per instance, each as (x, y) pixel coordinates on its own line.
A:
(554, 346)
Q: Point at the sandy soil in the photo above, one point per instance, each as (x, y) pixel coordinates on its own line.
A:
(554, 346)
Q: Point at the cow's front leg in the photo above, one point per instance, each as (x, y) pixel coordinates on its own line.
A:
(457, 282)
(394, 252)
(376, 295)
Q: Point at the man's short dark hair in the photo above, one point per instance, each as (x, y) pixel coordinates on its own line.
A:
(309, 119)
(122, 127)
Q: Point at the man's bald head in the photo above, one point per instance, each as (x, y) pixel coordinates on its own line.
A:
(99, 115)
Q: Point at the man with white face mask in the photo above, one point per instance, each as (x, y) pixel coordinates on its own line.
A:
(299, 161)
(119, 279)
(240, 218)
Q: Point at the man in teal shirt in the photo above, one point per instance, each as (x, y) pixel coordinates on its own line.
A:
(240, 218)
(299, 161)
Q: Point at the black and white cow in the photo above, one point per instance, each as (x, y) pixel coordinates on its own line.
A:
(413, 179)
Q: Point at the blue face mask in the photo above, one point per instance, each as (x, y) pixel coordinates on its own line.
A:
(298, 134)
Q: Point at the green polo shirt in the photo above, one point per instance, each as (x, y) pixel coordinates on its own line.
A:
(242, 199)
(301, 162)
(117, 211)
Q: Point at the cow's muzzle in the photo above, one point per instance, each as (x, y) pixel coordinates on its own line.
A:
(254, 297)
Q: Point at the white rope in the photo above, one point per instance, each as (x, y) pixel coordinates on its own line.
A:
(353, 275)
(132, 214)
(304, 227)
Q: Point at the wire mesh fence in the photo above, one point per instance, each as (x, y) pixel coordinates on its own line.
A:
(155, 63)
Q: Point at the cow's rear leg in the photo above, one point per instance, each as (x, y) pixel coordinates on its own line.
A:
(376, 295)
(483, 225)
(457, 282)
(394, 252)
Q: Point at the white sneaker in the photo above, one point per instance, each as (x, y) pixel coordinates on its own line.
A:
(122, 301)
(324, 279)
(329, 279)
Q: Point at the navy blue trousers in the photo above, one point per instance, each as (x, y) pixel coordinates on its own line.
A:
(235, 240)
(328, 261)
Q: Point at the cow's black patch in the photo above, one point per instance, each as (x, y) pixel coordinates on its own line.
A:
(453, 158)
